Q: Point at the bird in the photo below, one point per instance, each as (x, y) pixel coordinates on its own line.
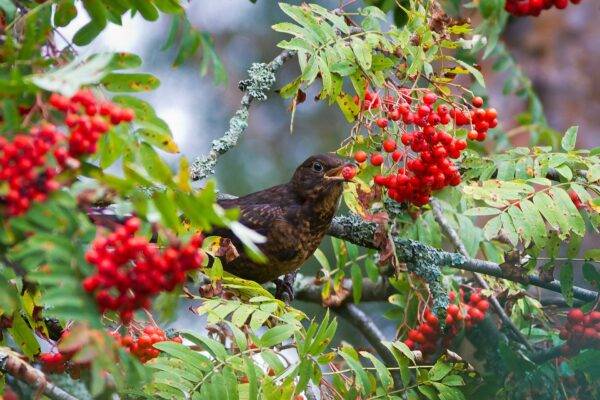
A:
(293, 217)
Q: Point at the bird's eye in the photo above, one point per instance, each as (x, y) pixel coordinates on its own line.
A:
(317, 166)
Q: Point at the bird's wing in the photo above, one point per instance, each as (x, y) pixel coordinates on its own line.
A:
(271, 221)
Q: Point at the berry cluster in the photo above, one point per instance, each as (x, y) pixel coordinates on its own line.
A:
(24, 162)
(428, 166)
(141, 345)
(581, 331)
(87, 120)
(130, 270)
(522, 8)
(61, 361)
(24, 167)
(428, 334)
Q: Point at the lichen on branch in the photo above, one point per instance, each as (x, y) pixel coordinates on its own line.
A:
(261, 78)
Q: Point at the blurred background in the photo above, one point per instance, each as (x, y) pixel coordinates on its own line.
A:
(560, 51)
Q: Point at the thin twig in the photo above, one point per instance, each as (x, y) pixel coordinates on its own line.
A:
(11, 364)
(460, 246)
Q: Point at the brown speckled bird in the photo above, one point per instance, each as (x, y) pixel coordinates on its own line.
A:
(293, 217)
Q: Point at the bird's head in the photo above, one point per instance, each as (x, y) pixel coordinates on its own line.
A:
(319, 176)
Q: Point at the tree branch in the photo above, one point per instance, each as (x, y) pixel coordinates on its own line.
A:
(355, 230)
(11, 364)
(261, 79)
(458, 243)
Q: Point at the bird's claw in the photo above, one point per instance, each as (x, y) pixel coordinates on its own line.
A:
(284, 288)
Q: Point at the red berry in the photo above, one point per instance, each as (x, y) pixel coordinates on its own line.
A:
(483, 305)
(376, 159)
(477, 101)
(360, 156)
(382, 122)
(389, 145)
(348, 173)
(575, 315)
(430, 98)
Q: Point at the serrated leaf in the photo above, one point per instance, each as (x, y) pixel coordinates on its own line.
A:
(382, 372)
(356, 275)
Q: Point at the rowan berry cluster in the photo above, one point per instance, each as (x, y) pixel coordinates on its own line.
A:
(24, 163)
(582, 331)
(131, 270)
(59, 362)
(428, 335)
(141, 344)
(24, 167)
(426, 152)
(522, 8)
(87, 119)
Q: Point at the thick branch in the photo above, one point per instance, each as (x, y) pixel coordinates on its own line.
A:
(13, 365)
(458, 243)
(261, 79)
(355, 230)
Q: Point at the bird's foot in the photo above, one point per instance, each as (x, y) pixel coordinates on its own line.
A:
(284, 288)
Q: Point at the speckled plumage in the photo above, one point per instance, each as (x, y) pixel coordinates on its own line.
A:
(293, 217)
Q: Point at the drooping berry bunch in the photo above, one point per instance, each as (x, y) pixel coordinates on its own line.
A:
(582, 331)
(131, 270)
(27, 171)
(58, 362)
(428, 335)
(424, 161)
(522, 8)
(141, 344)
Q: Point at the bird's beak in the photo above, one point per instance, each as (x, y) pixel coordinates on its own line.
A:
(336, 173)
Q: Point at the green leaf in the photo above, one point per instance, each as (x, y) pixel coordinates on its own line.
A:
(146, 9)
(439, 370)
(9, 298)
(492, 227)
(591, 274)
(154, 165)
(569, 139)
(384, 375)
(363, 52)
(88, 32)
(572, 215)
(277, 335)
(322, 259)
(473, 71)
(65, 12)
(566, 282)
(216, 349)
(120, 82)
(482, 211)
(362, 379)
(125, 60)
(24, 336)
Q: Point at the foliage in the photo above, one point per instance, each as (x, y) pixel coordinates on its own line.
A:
(528, 209)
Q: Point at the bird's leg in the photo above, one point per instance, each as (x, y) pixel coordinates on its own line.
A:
(284, 288)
